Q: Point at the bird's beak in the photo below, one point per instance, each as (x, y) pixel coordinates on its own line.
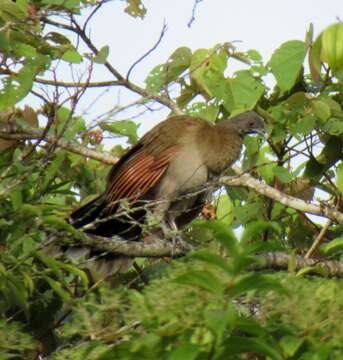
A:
(262, 132)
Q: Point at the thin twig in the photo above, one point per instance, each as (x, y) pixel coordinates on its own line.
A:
(163, 31)
(76, 28)
(196, 3)
(315, 246)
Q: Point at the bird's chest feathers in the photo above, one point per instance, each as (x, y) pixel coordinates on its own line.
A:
(186, 171)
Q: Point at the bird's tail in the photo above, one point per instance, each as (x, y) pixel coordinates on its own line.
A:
(98, 264)
(87, 213)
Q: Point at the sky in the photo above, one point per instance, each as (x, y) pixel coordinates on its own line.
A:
(262, 25)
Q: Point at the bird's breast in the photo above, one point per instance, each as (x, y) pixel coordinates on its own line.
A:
(186, 171)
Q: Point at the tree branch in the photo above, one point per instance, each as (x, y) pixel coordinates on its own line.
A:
(67, 145)
(243, 179)
(116, 245)
(280, 261)
(66, 84)
(76, 28)
(160, 248)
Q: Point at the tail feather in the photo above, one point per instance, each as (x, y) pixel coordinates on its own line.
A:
(97, 263)
(88, 212)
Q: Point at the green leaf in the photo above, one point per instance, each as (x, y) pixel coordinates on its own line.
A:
(225, 209)
(239, 344)
(303, 126)
(53, 168)
(219, 320)
(331, 153)
(155, 79)
(334, 126)
(16, 87)
(57, 288)
(321, 109)
(283, 174)
(255, 282)
(123, 127)
(135, 8)
(102, 55)
(10, 11)
(316, 269)
(332, 46)
(339, 177)
(202, 279)
(243, 92)
(333, 246)
(314, 59)
(291, 344)
(25, 50)
(80, 273)
(313, 168)
(72, 56)
(30, 210)
(223, 234)
(185, 352)
(16, 198)
(49, 262)
(265, 165)
(204, 110)
(253, 229)
(254, 55)
(286, 63)
(211, 258)
(59, 223)
(57, 38)
(207, 72)
(250, 326)
(177, 63)
(16, 292)
(247, 212)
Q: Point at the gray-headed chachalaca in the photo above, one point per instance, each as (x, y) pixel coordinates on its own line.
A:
(160, 172)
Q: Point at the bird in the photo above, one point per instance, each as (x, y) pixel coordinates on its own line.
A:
(157, 177)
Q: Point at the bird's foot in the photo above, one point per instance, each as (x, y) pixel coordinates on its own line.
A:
(177, 242)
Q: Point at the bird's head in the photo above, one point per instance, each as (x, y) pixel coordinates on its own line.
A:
(249, 123)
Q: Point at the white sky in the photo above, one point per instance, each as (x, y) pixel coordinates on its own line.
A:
(263, 25)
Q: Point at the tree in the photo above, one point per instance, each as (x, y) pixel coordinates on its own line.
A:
(214, 302)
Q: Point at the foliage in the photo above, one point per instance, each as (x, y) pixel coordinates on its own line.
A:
(209, 304)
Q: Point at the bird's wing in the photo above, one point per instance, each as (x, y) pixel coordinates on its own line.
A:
(139, 170)
(137, 175)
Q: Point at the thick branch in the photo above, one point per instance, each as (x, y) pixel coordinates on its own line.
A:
(67, 145)
(247, 180)
(280, 261)
(116, 245)
(159, 248)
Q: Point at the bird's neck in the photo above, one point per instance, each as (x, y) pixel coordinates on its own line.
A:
(221, 146)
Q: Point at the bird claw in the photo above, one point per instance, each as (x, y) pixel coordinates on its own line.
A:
(177, 242)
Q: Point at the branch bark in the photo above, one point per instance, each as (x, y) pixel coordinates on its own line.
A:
(116, 245)
(280, 261)
(243, 179)
(159, 248)
(32, 133)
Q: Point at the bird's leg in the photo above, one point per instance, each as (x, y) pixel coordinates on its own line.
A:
(176, 239)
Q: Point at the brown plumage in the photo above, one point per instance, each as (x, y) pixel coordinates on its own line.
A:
(176, 156)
